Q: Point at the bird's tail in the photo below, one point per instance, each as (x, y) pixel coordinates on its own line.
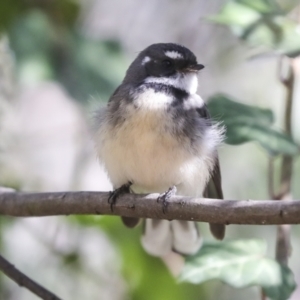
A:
(161, 237)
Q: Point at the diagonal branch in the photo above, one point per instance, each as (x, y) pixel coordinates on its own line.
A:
(266, 212)
(22, 280)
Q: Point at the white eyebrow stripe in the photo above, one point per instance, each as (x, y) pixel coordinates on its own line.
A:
(173, 54)
(145, 60)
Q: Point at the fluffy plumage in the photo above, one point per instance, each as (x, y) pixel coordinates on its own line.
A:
(156, 133)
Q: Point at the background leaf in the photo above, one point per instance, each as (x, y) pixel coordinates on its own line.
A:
(223, 107)
(240, 264)
(246, 123)
(61, 12)
(87, 68)
(262, 23)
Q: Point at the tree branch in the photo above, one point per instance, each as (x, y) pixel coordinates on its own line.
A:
(22, 280)
(265, 212)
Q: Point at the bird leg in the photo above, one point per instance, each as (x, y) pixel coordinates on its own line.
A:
(164, 197)
(115, 194)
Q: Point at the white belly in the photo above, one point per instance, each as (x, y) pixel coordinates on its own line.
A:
(142, 151)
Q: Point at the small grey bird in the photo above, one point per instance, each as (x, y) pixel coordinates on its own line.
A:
(156, 136)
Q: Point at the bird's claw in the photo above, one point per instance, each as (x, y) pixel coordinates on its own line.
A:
(164, 197)
(115, 194)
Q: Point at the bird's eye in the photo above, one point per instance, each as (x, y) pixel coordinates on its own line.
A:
(167, 63)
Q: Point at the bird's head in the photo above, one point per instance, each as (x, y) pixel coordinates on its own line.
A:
(165, 63)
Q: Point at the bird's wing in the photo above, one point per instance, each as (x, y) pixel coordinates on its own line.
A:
(214, 188)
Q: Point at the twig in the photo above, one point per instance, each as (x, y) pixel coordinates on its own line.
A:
(271, 188)
(264, 212)
(283, 247)
(22, 280)
(287, 162)
(263, 295)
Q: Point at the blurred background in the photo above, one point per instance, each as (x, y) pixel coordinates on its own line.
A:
(59, 61)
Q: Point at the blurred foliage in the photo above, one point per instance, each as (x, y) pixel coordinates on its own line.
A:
(48, 47)
(246, 123)
(63, 12)
(48, 44)
(263, 23)
(147, 276)
(240, 263)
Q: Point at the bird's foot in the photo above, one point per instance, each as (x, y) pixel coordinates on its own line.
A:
(115, 194)
(164, 197)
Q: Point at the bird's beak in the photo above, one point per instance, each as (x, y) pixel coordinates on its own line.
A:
(194, 68)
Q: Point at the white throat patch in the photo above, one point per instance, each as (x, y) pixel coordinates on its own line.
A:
(187, 82)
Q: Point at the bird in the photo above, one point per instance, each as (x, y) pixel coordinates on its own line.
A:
(155, 135)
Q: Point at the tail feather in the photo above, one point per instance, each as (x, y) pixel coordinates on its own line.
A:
(218, 230)
(157, 237)
(161, 237)
(186, 237)
(130, 222)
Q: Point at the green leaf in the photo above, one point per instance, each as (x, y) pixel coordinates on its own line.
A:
(223, 108)
(274, 142)
(286, 287)
(262, 23)
(263, 6)
(240, 264)
(236, 15)
(246, 123)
